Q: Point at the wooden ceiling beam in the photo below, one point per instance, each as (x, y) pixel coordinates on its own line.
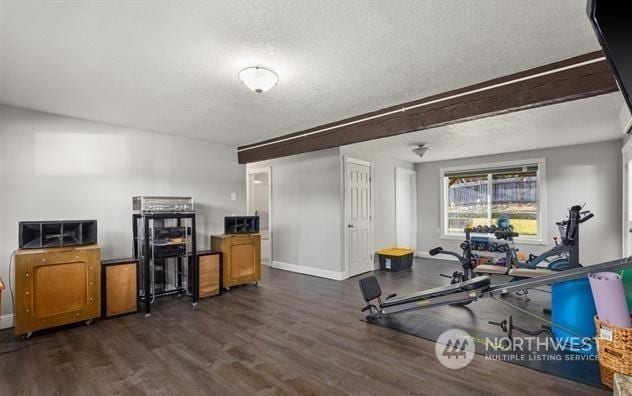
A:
(575, 78)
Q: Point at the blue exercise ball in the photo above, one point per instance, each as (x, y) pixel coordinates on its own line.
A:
(573, 309)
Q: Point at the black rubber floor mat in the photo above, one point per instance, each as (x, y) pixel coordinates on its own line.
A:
(430, 323)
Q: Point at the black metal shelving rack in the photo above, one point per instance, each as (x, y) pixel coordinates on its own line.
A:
(142, 222)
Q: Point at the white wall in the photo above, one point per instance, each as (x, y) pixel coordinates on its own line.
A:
(54, 167)
(306, 220)
(589, 173)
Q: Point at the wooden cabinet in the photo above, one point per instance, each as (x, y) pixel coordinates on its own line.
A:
(119, 287)
(241, 258)
(209, 264)
(56, 286)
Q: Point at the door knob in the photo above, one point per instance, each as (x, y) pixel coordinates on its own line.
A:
(349, 225)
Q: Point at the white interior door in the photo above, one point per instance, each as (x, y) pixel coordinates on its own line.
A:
(358, 215)
(259, 197)
(406, 208)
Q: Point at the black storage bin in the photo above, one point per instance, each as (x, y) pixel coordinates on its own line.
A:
(395, 260)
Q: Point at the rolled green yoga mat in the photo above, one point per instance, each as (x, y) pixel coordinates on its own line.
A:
(626, 276)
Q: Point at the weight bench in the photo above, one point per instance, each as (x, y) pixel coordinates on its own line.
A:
(458, 293)
(491, 269)
(530, 272)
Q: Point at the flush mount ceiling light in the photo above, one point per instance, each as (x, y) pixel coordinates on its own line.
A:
(421, 150)
(259, 79)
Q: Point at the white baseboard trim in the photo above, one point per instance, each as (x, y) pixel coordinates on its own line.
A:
(6, 321)
(424, 254)
(301, 269)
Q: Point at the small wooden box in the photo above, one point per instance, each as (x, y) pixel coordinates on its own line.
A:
(56, 286)
(241, 258)
(210, 266)
(119, 287)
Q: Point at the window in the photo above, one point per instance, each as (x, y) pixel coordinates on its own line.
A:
(475, 196)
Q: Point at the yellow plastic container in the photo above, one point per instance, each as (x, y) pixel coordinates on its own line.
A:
(395, 251)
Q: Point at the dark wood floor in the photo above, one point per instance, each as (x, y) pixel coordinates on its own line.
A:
(293, 334)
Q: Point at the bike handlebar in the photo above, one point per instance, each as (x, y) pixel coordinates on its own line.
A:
(588, 215)
(586, 218)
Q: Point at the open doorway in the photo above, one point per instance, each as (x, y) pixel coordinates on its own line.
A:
(259, 198)
(406, 208)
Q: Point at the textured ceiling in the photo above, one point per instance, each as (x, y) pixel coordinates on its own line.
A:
(582, 121)
(172, 66)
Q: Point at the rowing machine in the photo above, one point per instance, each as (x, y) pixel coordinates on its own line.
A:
(458, 293)
(469, 291)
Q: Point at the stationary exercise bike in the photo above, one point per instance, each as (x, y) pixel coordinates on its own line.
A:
(564, 255)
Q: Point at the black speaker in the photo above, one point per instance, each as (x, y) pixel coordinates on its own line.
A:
(241, 224)
(30, 235)
(45, 234)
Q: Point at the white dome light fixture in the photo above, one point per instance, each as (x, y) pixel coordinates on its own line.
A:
(258, 79)
(421, 150)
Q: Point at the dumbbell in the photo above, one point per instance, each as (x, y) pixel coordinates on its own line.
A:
(481, 246)
(486, 229)
(492, 247)
(479, 229)
(492, 229)
(466, 245)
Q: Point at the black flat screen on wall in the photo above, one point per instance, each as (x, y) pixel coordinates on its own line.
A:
(612, 22)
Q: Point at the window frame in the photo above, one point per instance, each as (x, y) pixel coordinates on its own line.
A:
(540, 238)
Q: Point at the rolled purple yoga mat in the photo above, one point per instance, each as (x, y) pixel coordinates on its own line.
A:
(609, 295)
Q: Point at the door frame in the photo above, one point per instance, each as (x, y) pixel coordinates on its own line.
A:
(345, 210)
(413, 174)
(626, 157)
(249, 210)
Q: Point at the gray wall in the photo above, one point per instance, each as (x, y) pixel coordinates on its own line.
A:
(306, 220)
(589, 173)
(54, 167)
(308, 208)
